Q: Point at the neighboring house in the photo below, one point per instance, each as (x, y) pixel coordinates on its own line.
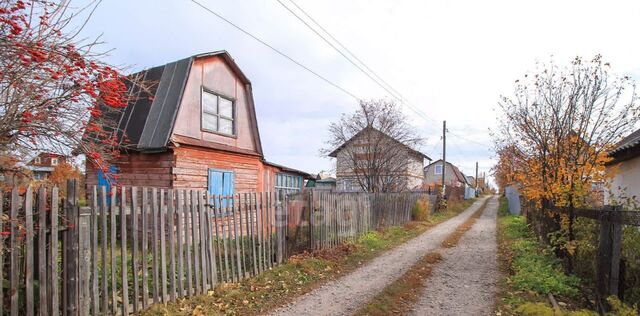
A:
(408, 176)
(322, 182)
(471, 181)
(453, 176)
(196, 129)
(626, 158)
(43, 164)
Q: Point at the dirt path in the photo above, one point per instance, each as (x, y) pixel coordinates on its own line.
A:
(345, 295)
(464, 282)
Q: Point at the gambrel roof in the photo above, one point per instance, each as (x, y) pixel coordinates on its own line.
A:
(149, 119)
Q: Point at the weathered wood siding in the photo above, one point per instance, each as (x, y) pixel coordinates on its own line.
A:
(138, 169)
(192, 165)
(214, 74)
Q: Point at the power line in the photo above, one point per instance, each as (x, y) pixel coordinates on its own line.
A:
(384, 85)
(467, 139)
(276, 50)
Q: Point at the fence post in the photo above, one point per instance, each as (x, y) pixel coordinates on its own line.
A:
(311, 221)
(608, 265)
(70, 249)
(280, 210)
(84, 260)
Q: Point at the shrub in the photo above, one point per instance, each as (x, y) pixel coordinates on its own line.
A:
(421, 210)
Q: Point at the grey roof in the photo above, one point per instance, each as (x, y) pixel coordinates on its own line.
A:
(41, 168)
(291, 170)
(149, 119)
(334, 153)
(626, 143)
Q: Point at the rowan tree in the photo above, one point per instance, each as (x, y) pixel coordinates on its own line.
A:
(55, 89)
(555, 133)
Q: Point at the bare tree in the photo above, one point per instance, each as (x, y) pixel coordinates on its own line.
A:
(375, 147)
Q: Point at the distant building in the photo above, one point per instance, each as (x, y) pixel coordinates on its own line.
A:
(471, 180)
(43, 165)
(453, 176)
(408, 177)
(323, 182)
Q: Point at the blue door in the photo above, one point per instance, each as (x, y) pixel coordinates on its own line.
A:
(221, 183)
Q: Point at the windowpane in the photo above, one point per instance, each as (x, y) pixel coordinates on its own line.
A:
(209, 122)
(226, 126)
(209, 102)
(226, 107)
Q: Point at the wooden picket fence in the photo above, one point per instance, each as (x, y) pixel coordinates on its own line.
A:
(137, 246)
(317, 220)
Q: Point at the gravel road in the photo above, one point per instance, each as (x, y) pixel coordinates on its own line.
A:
(345, 295)
(464, 282)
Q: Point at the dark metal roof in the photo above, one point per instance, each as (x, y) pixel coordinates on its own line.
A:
(627, 143)
(164, 107)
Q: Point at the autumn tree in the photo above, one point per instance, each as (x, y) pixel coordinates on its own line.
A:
(375, 143)
(63, 172)
(56, 91)
(557, 128)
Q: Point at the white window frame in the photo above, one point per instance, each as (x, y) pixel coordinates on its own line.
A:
(54, 161)
(435, 169)
(217, 114)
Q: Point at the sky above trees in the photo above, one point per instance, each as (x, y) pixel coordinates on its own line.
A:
(451, 59)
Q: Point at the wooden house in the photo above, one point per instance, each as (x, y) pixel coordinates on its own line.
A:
(43, 164)
(196, 128)
(453, 176)
(626, 164)
(403, 164)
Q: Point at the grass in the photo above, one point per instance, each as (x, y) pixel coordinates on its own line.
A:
(530, 272)
(399, 296)
(300, 274)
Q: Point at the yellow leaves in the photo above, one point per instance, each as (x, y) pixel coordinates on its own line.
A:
(198, 311)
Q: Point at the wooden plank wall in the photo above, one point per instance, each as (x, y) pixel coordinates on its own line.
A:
(340, 216)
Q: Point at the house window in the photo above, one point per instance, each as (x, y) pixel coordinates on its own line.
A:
(221, 187)
(37, 161)
(54, 161)
(288, 183)
(217, 113)
(438, 169)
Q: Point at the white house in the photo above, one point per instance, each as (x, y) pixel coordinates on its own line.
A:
(626, 158)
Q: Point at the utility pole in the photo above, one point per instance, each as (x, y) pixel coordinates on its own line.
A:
(444, 153)
(476, 189)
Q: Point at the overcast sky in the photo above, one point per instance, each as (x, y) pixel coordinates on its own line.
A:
(451, 59)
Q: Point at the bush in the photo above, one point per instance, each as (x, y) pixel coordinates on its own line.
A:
(535, 268)
(421, 210)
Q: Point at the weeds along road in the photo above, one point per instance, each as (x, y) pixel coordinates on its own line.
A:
(345, 295)
(464, 282)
